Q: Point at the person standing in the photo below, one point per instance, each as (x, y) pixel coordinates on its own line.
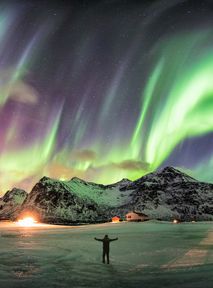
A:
(106, 241)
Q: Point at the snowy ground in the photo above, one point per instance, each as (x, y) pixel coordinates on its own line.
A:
(147, 254)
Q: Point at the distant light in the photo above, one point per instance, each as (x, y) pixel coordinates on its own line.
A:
(27, 222)
(116, 219)
(175, 221)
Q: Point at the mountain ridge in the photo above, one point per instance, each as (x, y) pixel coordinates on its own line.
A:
(165, 194)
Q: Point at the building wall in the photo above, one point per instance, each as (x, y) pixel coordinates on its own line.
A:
(135, 217)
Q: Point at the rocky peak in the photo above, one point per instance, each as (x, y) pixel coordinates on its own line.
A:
(124, 181)
(11, 202)
(120, 184)
(165, 176)
(169, 169)
(77, 180)
(45, 179)
(81, 182)
(15, 195)
(174, 175)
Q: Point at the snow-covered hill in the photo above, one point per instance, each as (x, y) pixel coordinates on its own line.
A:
(11, 202)
(166, 176)
(166, 194)
(74, 201)
(170, 194)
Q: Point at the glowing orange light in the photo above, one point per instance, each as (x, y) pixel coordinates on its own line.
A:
(27, 222)
(116, 219)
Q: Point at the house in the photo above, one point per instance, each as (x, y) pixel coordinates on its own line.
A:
(136, 216)
(116, 219)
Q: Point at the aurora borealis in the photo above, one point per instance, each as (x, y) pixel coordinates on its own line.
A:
(104, 90)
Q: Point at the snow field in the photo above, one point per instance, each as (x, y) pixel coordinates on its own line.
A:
(149, 254)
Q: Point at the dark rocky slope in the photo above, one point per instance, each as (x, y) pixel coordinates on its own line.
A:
(11, 203)
(172, 194)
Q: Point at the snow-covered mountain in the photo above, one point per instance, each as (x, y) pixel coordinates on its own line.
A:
(170, 194)
(166, 176)
(11, 202)
(166, 194)
(75, 200)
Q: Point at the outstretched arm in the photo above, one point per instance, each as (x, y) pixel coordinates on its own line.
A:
(114, 239)
(98, 239)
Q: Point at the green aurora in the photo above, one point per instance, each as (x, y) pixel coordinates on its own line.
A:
(99, 138)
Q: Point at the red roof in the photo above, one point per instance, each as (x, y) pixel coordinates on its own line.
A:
(116, 217)
(138, 213)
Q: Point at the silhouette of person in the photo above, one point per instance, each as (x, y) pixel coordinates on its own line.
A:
(106, 240)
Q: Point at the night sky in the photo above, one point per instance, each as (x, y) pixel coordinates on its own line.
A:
(105, 90)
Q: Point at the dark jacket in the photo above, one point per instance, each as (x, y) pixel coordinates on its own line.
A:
(106, 242)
